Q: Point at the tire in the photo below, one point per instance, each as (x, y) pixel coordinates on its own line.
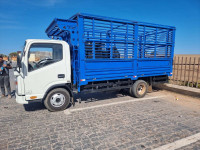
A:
(139, 89)
(57, 100)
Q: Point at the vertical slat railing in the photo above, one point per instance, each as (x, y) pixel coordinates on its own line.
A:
(180, 79)
(197, 83)
(174, 69)
(186, 71)
(143, 48)
(111, 44)
(93, 36)
(126, 51)
(189, 73)
(193, 72)
(177, 79)
(155, 50)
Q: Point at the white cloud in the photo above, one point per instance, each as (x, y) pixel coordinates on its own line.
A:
(4, 16)
(43, 3)
(7, 22)
(11, 27)
(38, 3)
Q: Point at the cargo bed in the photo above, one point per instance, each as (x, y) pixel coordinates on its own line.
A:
(104, 48)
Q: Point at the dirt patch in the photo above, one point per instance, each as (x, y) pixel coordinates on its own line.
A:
(189, 102)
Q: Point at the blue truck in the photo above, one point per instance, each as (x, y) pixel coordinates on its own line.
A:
(89, 53)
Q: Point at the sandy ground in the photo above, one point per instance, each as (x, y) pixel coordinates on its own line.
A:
(188, 102)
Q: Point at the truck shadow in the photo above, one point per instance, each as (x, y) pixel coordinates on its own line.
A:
(34, 106)
(100, 96)
(86, 98)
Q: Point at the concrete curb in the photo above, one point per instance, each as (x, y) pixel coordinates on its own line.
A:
(189, 91)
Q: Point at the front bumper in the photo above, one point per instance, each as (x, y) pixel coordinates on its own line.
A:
(21, 99)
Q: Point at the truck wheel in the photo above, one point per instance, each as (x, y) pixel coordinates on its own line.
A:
(57, 100)
(139, 89)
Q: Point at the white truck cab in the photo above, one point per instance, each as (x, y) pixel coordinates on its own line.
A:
(44, 64)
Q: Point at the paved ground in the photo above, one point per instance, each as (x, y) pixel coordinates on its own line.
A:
(145, 124)
(125, 123)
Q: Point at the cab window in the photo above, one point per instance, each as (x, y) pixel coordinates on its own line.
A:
(43, 54)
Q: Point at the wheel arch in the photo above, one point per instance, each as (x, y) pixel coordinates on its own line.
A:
(64, 86)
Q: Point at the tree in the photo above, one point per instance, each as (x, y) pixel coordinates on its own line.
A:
(13, 54)
(3, 55)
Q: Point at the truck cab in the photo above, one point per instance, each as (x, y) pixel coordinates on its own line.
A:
(44, 65)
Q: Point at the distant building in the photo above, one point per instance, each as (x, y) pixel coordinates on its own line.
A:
(14, 58)
(32, 57)
(5, 58)
(37, 56)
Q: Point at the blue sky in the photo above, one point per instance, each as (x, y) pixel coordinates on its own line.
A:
(28, 19)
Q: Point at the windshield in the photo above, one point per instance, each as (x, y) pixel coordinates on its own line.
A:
(20, 55)
(23, 52)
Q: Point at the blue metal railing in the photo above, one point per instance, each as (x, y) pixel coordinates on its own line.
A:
(154, 42)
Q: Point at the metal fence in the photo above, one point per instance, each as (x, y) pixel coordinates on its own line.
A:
(186, 71)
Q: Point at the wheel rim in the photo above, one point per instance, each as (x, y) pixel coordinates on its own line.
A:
(141, 89)
(57, 100)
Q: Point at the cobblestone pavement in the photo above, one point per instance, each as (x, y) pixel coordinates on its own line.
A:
(145, 124)
(194, 146)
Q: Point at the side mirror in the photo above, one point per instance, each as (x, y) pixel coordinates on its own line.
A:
(19, 61)
(16, 71)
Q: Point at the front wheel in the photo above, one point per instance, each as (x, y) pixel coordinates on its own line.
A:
(57, 100)
(139, 89)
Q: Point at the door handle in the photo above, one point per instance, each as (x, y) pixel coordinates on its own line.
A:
(61, 75)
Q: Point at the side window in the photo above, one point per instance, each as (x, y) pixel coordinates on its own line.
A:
(43, 54)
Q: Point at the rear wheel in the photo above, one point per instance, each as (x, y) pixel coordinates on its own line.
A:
(139, 89)
(57, 100)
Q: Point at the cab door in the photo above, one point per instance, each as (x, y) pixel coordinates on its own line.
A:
(47, 65)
